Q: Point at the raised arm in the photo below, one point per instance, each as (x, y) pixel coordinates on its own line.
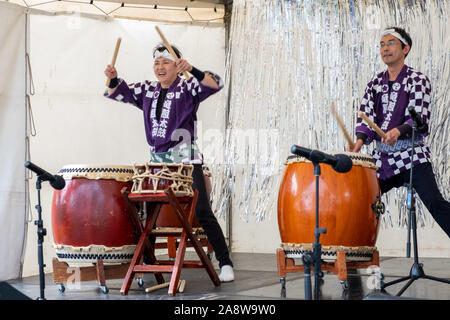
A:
(205, 78)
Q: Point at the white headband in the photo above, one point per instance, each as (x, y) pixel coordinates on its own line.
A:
(164, 54)
(395, 34)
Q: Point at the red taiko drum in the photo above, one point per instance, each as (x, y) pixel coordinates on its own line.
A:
(90, 216)
(349, 208)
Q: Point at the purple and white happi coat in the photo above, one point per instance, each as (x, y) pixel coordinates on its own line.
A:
(176, 126)
(388, 108)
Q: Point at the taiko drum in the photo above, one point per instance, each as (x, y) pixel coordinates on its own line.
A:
(154, 178)
(90, 216)
(347, 203)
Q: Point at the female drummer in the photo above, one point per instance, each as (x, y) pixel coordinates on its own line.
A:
(169, 108)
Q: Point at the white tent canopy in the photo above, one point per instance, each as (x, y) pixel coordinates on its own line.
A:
(175, 11)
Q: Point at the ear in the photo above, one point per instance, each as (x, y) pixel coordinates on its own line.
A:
(406, 49)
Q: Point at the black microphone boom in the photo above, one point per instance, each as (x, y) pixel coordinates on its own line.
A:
(422, 127)
(56, 181)
(339, 162)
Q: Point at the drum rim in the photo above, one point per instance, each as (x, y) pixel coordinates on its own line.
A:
(122, 173)
(91, 253)
(309, 247)
(329, 252)
(358, 159)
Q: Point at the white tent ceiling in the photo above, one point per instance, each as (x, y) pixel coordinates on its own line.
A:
(176, 11)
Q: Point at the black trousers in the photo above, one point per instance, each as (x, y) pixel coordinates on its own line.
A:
(208, 220)
(426, 187)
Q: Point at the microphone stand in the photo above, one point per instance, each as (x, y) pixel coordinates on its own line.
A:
(314, 258)
(58, 183)
(41, 232)
(417, 268)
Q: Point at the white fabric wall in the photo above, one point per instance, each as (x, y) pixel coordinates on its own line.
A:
(12, 139)
(75, 124)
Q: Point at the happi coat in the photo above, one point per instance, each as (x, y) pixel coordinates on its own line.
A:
(387, 106)
(172, 137)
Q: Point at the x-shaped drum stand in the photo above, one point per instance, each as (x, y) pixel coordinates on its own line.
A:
(187, 235)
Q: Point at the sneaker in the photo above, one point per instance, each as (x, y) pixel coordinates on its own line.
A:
(226, 273)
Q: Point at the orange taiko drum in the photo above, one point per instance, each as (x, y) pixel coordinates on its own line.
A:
(90, 216)
(349, 208)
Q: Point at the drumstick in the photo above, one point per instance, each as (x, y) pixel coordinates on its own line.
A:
(158, 286)
(169, 47)
(114, 58)
(341, 125)
(180, 287)
(372, 125)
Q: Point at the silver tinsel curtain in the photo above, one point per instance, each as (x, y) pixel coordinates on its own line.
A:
(289, 60)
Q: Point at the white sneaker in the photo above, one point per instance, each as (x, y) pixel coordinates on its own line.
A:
(226, 273)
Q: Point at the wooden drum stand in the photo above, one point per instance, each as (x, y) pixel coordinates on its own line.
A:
(187, 236)
(338, 267)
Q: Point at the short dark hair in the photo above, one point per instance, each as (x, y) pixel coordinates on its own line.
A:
(161, 47)
(404, 35)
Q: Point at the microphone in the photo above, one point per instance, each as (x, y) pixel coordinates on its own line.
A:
(422, 127)
(339, 162)
(56, 181)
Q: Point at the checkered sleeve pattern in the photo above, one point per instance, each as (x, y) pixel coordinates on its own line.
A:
(368, 107)
(199, 91)
(130, 93)
(419, 92)
(419, 88)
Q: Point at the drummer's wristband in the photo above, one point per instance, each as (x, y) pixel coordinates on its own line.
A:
(199, 75)
(404, 130)
(113, 83)
(362, 136)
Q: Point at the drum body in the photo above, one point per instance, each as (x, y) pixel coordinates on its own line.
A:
(345, 205)
(90, 216)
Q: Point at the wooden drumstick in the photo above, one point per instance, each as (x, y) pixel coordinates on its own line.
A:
(372, 124)
(157, 287)
(114, 58)
(341, 125)
(180, 287)
(171, 51)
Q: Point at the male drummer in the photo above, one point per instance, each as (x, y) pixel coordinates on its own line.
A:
(385, 102)
(169, 108)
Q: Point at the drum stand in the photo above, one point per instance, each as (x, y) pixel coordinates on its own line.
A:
(417, 268)
(63, 273)
(314, 258)
(156, 266)
(339, 267)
